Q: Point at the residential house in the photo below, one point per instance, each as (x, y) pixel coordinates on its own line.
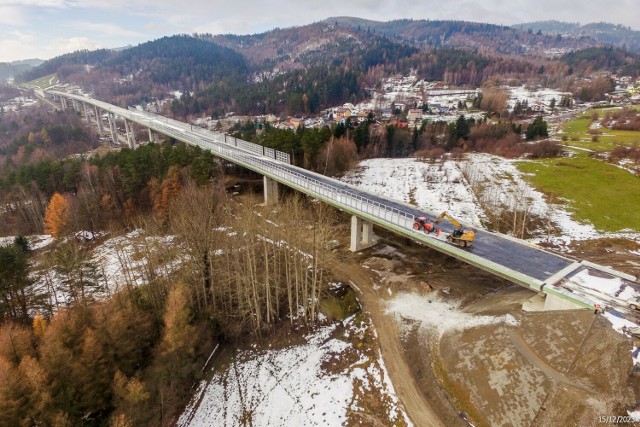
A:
(342, 113)
(539, 107)
(438, 109)
(414, 114)
(296, 122)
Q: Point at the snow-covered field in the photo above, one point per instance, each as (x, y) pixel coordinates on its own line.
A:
(432, 187)
(606, 289)
(462, 187)
(533, 96)
(296, 386)
(119, 261)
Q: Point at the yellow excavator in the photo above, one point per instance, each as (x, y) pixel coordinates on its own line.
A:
(460, 236)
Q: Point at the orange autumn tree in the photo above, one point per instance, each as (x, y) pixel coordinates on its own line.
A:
(56, 217)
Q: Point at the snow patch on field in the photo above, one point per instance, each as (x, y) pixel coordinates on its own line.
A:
(465, 188)
(290, 386)
(432, 187)
(439, 315)
(119, 261)
(35, 242)
(534, 96)
(618, 322)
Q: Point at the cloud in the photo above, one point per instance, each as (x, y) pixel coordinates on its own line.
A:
(12, 49)
(105, 28)
(11, 16)
(73, 44)
(36, 3)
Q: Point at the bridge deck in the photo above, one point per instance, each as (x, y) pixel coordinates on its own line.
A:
(504, 256)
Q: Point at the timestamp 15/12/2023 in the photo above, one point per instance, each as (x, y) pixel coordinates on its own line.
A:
(618, 419)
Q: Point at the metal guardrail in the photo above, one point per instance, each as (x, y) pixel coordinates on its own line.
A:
(228, 139)
(260, 160)
(313, 186)
(219, 143)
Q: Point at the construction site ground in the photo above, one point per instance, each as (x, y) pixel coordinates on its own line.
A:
(545, 369)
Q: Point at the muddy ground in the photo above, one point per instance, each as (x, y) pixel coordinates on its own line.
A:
(553, 368)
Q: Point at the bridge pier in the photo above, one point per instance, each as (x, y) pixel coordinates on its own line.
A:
(112, 127)
(63, 102)
(131, 138)
(270, 191)
(362, 236)
(153, 136)
(98, 119)
(86, 113)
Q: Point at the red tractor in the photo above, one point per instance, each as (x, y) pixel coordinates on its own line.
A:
(423, 223)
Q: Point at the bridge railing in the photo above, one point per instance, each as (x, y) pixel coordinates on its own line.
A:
(222, 137)
(222, 144)
(314, 186)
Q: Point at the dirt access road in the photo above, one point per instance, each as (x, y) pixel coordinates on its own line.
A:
(500, 374)
(417, 407)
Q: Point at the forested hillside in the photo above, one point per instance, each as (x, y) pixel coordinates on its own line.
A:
(149, 70)
(12, 69)
(77, 347)
(487, 38)
(612, 34)
(302, 70)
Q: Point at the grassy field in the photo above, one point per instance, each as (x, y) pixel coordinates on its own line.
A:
(597, 192)
(577, 133)
(45, 82)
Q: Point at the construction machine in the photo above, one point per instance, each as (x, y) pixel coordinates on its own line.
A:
(460, 236)
(423, 223)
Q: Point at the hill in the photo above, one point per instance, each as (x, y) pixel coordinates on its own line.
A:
(611, 34)
(314, 44)
(10, 70)
(303, 70)
(484, 37)
(148, 70)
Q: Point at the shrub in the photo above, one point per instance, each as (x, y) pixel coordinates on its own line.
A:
(545, 149)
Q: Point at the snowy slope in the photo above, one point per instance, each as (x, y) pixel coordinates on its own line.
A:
(295, 386)
(461, 187)
(119, 261)
(433, 187)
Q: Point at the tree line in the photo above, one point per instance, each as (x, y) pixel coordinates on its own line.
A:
(131, 359)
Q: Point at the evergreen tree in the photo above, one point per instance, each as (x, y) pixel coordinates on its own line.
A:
(537, 129)
(14, 279)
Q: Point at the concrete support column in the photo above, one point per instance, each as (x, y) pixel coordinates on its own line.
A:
(270, 191)
(98, 119)
(362, 236)
(63, 102)
(130, 137)
(86, 113)
(133, 136)
(152, 136)
(113, 128)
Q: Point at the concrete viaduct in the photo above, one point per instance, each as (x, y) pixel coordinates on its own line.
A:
(515, 260)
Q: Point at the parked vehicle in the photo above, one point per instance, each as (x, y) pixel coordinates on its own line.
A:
(423, 223)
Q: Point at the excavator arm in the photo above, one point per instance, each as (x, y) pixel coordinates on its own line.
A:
(445, 215)
(460, 236)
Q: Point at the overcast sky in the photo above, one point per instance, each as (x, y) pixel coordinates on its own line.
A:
(46, 28)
